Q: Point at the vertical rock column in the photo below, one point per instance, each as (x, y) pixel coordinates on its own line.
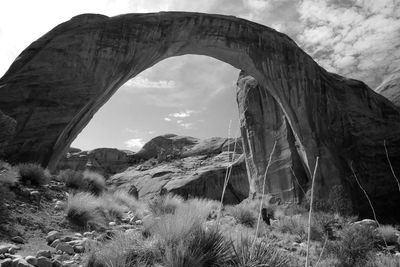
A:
(262, 122)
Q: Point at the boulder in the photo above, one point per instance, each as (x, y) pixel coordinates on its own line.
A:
(195, 176)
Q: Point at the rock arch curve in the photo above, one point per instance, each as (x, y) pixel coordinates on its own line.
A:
(56, 85)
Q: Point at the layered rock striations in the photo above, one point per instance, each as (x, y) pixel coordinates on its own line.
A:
(59, 82)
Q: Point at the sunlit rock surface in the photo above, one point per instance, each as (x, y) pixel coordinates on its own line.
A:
(58, 83)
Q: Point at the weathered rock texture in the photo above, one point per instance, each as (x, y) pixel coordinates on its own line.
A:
(174, 146)
(57, 84)
(107, 161)
(390, 87)
(195, 176)
(7, 130)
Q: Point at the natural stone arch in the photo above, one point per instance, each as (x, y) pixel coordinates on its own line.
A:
(58, 83)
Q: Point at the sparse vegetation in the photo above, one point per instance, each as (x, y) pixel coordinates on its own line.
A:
(165, 204)
(32, 173)
(354, 245)
(87, 181)
(83, 210)
(243, 215)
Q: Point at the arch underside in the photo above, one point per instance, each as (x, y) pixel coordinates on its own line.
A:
(59, 82)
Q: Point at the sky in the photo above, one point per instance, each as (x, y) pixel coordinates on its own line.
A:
(195, 95)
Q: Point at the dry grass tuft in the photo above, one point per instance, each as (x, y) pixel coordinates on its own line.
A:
(33, 173)
(165, 204)
(83, 210)
(243, 215)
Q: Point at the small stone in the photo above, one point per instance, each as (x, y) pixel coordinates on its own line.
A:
(44, 262)
(18, 240)
(13, 248)
(44, 253)
(112, 224)
(55, 243)
(68, 263)
(79, 249)
(67, 238)
(64, 247)
(51, 236)
(89, 234)
(31, 260)
(138, 222)
(57, 263)
(6, 263)
(367, 223)
(4, 249)
(20, 263)
(78, 235)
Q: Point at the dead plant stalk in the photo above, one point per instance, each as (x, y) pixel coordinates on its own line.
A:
(310, 213)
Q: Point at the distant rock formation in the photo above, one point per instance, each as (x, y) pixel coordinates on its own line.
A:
(174, 146)
(107, 161)
(390, 87)
(188, 167)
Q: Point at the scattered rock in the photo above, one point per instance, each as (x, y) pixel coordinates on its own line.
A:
(6, 263)
(44, 253)
(31, 260)
(112, 223)
(64, 247)
(367, 223)
(21, 263)
(55, 243)
(53, 235)
(44, 262)
(18, 240)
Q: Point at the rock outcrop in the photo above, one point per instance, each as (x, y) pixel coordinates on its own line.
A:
(59, 82)
(107, 161)
(350, 137)
(7, 130)
(390, 87)
(194, 176)
(186, 166)
(171, 146)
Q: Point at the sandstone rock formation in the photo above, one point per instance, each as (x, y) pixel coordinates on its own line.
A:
(195, 176)
(174, 146)
(56, 85)
(7, 130)
(390, 87)
(107, 161)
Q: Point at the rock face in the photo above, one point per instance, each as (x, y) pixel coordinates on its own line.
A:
(57, 84)
(353, 135)
(108, 161)
(7, 126)
(390, 87)
(174, 146)
(186, 166)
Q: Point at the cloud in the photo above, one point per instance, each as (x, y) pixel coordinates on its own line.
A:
(167, 119)
(187, 125)
(357, 38)
(182, 114)
(140, 82)
(134, 143)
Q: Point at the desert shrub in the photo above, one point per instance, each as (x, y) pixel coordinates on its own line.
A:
(123, 250)
(84, 210)
(298, 225)
(93, 182)
(165, 204)
(206, 207)
(33, 173)
(380, 260)
(258, 254)
(72, 179)
(387, 233)
(87, 181)
(354, 245)
(294, 209)
(123, 198)
(200, 248)
(243, 215)
(8, 178)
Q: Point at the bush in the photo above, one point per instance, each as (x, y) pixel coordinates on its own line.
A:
(33, 173)
(243, 215)
(124, 199)
(387, 233)
(380, 260)
(298, 225)
(201, 248)
(124, 250)
(93, 182)
(8, 178)
(354, 245)
(87, 181)
(259, 254)
(165, 204)
(72, 179)
(84, 210)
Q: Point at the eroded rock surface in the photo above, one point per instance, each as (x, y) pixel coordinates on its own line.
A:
(188, 167)
(390, 87)
(7, 130)
(107, 161)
